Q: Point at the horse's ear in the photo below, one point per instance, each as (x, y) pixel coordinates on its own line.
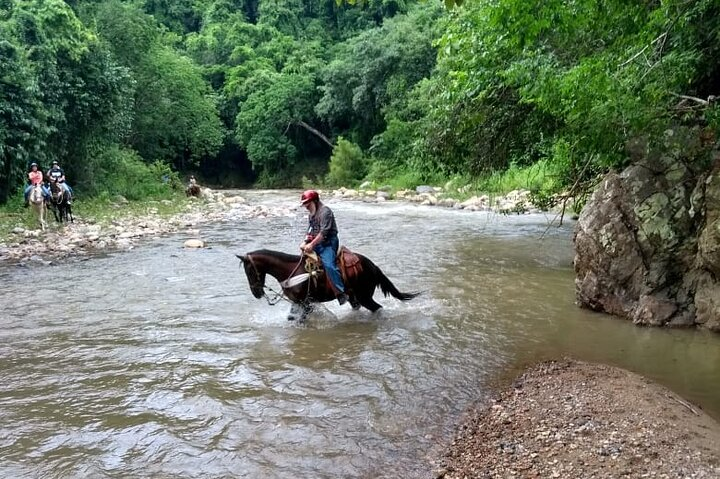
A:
(242, 258)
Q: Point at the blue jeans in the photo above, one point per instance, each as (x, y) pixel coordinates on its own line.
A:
(28, 189)
(327, 254)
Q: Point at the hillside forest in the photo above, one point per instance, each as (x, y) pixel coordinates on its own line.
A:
(132, 96)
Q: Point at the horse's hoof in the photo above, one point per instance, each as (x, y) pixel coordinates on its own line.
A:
(354, 303)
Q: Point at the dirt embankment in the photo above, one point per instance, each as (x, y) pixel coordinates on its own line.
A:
(571, 419)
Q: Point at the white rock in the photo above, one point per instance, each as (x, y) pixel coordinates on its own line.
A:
(194, 243)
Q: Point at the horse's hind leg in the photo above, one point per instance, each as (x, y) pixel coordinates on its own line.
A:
(369, 303)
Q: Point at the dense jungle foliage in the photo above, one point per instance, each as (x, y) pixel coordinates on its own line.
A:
(132, 95)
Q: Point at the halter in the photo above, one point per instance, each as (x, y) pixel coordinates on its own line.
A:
(279, 295)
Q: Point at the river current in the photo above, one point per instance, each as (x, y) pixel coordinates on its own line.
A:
(158, 362)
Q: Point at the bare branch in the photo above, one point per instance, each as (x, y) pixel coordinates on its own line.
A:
(316, 132)
(695, 99)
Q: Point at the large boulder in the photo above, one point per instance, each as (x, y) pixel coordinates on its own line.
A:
(647, 243)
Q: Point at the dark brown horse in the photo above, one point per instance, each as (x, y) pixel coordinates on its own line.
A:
(360, 283)
(60, 203)
(193, 190)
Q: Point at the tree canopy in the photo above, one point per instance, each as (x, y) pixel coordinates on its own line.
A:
(282, 91)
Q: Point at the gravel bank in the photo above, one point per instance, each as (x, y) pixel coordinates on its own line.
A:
(570, 419)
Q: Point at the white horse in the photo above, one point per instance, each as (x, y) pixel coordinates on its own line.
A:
(37, 201)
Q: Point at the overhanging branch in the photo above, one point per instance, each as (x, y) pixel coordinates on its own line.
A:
(314, 131)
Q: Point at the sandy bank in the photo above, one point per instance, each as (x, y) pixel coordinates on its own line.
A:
(570, 419)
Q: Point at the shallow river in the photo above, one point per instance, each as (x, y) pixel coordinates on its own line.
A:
(158, 362)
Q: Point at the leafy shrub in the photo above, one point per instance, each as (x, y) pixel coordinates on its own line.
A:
(124, 173)
(347, 164)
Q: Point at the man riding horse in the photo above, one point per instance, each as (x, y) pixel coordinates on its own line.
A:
(322, 238)
(57, 175)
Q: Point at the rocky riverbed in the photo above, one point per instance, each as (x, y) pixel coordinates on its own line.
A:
(570, 419)
(86, 236)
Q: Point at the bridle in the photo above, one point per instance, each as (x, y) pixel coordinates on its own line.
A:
(279, 295)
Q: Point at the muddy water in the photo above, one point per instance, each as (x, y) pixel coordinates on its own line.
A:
(157, 362)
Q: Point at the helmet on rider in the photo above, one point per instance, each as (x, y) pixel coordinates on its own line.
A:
(33, 164)
(308, 196)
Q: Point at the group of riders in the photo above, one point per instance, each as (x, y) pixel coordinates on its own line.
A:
(54, 175)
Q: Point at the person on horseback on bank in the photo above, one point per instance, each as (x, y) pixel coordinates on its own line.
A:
(322, 237)
(35, 177)
(57, 175)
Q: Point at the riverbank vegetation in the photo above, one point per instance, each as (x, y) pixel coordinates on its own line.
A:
(131, 97)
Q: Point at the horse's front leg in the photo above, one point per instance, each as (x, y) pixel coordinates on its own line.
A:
(296, 312)
(299, 311)
(54, 212)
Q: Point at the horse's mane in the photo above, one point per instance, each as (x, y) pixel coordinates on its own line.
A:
(276, 254)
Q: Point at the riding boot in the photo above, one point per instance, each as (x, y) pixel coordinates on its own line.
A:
(342, 298)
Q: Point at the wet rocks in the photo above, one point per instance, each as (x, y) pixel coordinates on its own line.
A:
(194, 243)
(124, 232)
(514, 202)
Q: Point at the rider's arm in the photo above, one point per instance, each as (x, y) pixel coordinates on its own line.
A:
(317, 239)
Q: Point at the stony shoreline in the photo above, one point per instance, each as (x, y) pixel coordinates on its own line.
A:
(570, 419)
(85, 236)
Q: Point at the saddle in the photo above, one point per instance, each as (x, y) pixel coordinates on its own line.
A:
(348, 262)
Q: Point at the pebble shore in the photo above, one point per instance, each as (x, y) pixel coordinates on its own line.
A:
(570, 419)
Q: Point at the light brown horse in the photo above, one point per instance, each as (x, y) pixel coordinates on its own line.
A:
(37, 202)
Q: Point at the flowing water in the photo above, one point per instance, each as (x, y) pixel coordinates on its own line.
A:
(158, 362)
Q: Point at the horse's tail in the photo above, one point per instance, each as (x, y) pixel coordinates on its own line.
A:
(386, 286)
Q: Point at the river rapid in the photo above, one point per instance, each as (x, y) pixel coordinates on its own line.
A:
(158, 362)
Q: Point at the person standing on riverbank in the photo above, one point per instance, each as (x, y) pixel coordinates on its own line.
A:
(322, 237)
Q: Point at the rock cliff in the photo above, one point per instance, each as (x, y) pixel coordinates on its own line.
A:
(647, 243)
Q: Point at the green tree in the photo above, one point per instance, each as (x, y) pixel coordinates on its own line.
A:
(22, 130)
(270, 116)
(175, 114)
(375, 69)
(347, 164)
(75, 93)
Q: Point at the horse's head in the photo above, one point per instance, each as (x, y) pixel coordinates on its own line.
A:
(56, 192)
(36, 194)
(256, 278)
